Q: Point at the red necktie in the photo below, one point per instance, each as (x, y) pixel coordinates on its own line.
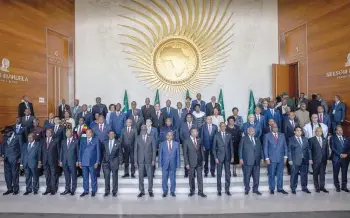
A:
(79, 132)
(321, 118)
(170, 148)
(68, 143)
(275, 135)
(195, 144)
(101, 128)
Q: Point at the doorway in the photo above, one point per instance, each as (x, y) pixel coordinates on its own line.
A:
(285, 78)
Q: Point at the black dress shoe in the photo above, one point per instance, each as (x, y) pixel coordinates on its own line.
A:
(345, 190)
(337, 190)
(7, 193)
(151, 194)
(294, 192)
(228, 193)
(234, 174)
(53, 193)
(125, 176)
(106, 194)
(133, 176)
(257, 192)
(93, 194)
(219, 193)
(190, 194)
(173, 194)
(114, 195)
(272, 192)
(65, 192)
(72, 193)
(206, 175)
(317, 191)
(186, 176)
(202, 195)
(283, 192)
(164, 195)
(306, 191)
(46, 192)
(324, 190)
(246, 192)
(140, 195)
(15, 193)
(35, 193)
(84, 194)
(213, 175)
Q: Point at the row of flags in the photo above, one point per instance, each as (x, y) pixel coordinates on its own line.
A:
(251, 106)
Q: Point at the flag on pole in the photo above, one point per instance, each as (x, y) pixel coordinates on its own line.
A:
(156, 99)
(251, 107)
(126, 102)
(221, 102)
(187, 93)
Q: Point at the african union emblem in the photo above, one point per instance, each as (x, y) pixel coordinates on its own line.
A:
(177, 46)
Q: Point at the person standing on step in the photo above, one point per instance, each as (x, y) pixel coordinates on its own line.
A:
(128, 137)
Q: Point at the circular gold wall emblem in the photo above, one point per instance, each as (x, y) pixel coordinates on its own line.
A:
(176, 61)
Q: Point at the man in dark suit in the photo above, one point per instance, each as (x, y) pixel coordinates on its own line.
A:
(10, 153)
(288, 130)
(168, 110)
(299, 158)
(20, 131)
(272, 113)
(207, 136)
(319, 155)
(145, 158)
(130, 112)
(85, 114)
(259, 117)
(25, 104)
(169, 127)
(340, 157)
(112, 158)
(27, 119)
(251, 155)
(276, 154)
(313, 104)
(158, 118)
(99, 108)
(128, 138)
(118, 119)
(324, 117)
(200, 102)
(268, 128)
(188, 108)
(49, 123)
(211, 105)
(147, 110)
(137, 121)
(58, 131)
(89, 159)
(223, 154)
(30, 162)
(49, 160)
(337, 112)
(179, 116)
(62, 108)
(193, 158)
(69, 161)
(184, 133)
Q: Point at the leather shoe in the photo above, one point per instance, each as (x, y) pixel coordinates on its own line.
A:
(151, 194)
(272, 192)
(190, 194)
(213, 175)
(15, 193)
(65, 192)
(83, 194)
(140, 195)
(337, 190)
(294, 192)
(246, 192)
(186, 176)
(125, 176)
(228, 193)
(257, 192)
(206, 175)
(345, 189)
(72, 193)
(202, 195)
(173, 194)
(7, 193)
(35, 193)
(324, 190)
(133, 176)
(106, 194)
(53, 193)
(317, 191)
(46, 192)
(164, 195)
(307, 191)
(114, 194)
(219, 193)
(93, 194)
(283, 192)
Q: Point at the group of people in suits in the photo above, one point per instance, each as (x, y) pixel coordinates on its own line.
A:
(102, 139)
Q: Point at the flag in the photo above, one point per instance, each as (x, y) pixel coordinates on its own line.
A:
(251, 107)
(221, 102)
(156, 99)
(187, 93)
(126, 102)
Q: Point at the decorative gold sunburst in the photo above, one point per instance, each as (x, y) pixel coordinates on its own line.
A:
(185, 45)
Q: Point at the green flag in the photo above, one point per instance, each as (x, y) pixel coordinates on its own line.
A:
(251, 107)
(156, 99)
(187, 93)
(126, 102)
(221, 102)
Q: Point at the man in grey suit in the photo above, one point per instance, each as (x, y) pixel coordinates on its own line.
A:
(137, 121)
(251, 155)
(76, 110)
(27, 119)
(193, 157)
(145, 158)
(128, 137)
(223, 154)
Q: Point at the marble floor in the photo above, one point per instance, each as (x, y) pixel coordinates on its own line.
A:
(181, 204)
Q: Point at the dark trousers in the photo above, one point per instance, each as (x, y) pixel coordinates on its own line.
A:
(50, 172)
(92, 171)
(289, 170)
(319, 175)
(128, 157)
(149, 169)
(98, 169)
(32, 179)
(70, 175)
(207, 153)
(342, 164)
(275, 169)
(107, 170)
(248, 172)
(303, 170)
(11, 175)
(192, 174)
(227, 175)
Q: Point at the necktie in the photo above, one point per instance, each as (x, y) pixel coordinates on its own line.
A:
(195, 144)
(101, 128)
(84, 114)
(144, 138)
(147, 106)
(321, 118)
(79, 132)
(29, 146)
(169, 146)
(292, 123)
(258, 118)
(341, 140)
(128, 130)
(56, 127)
(189, 126)
(223, 136)
(47, 143)
(88, 141)
(252, 139)
(26, 104)
(158, 114)
(17, 129)
(210, 129)
(168, 109)
(272, 112)
(275, 135)
(27, 118)
(300, 142)
(68, 143)
(320, 141)
(110, 146)
(9, 140)
(179, 113)
(136, 119)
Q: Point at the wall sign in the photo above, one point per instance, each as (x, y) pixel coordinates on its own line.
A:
(341, 74)
(7, 76)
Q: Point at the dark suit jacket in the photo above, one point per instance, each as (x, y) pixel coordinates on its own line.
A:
(48, 125)
(144, 152)
(112, 158)
(11, 151)
(59, 135)
(101, 109)
(50, 155)
(297, 152)
(128, 139)
(210, 109)
(101, 136)
(319, 153)
(184, 132)
(137, 125)
(130, 112)
(30, 157)
(206, 137)
(338, 148)
(248, 152)
(89, 153)
(61, 112)
(158, 123)
(69, 156)
(148, 113)
(193, 156)
(275, 150)
(22, 107)
(28, 123)
(312, 106)
(223, 150)
(172, 113)
(326, 120)
(22, 134)
(288, 129)
(178, 120)
(87, 117)
(339, 112)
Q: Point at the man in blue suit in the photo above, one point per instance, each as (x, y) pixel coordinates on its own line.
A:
(200, 102)
(252, 123)
(169, 161)
(20, 131)
(337, 112)
(299, 158)
(30, 161)
(259, 117)
(272, 113)
(323, 117)
(49, 123)
(340, 157)
(130, 112)
(89, 159)
(169, 127)
(275, 153)
(168, 110)
(118, 119)
(179, 116)
(184, 133)
(207, 135)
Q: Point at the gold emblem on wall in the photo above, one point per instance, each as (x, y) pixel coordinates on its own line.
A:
(185, 45)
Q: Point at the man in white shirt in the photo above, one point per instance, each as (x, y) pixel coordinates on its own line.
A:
(217, 118)
(310, 128)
